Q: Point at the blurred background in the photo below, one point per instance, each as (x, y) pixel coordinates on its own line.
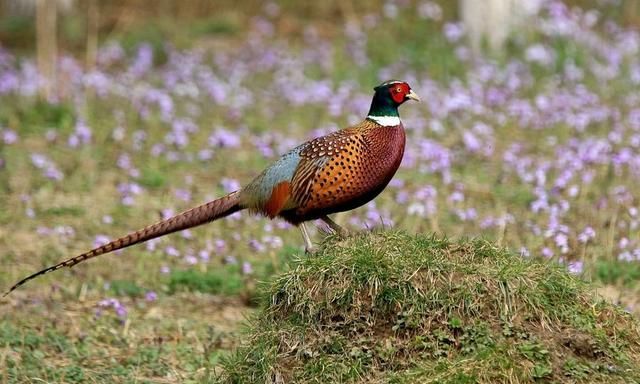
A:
(77, 27)
(114, 114)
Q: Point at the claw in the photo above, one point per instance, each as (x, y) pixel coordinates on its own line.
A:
(343, 233)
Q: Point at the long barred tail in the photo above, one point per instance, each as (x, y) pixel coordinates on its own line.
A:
(199, 215)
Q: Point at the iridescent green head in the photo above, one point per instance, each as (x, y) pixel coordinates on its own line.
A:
(388, 97)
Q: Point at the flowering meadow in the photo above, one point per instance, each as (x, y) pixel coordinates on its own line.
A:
(536, 148)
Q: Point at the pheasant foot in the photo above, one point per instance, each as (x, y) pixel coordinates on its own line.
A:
(335, 227)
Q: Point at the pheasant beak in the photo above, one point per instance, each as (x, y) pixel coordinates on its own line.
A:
(413, 96)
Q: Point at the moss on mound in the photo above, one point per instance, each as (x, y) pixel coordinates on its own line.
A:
(391, 307)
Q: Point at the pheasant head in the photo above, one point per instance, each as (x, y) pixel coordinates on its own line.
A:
(386, 100)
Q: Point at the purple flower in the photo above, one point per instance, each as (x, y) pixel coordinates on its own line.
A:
(99, 81)
(49, 169)
(263, 26)
(224, 139)
(100, 240)
(247, 269)
(204, 255)
(9, 81)
(626, 256)
(167, 213)
(179, 139)
(273, 241)
(9, 136)
(205, 154)
(53, 173)
(157, 149)
(402, 197)
(220, 245)
(128, 191)
(121, 311)
(468, 214)
(143, 60)
(456, 197)
(488, 222)
(587, 234)
(171, 251)
(80, 136)
(430, 10)
(417, 209)
(230, 185)
(43, 231)
(124, 161)
(573, 191)
(539, 54)
(38, 160)
(151, 296)
(263, 147)
(191, 259)
(561, 240)
(426, 192)
(453, 32)
(471, 142)
(110, 53)
(158, 97)
(623, 243)
(64, 231)
(575, 267)
(281, 224)
(139, 138)
(183, 194)
(151, 244)
(115, 304)
(257, 245)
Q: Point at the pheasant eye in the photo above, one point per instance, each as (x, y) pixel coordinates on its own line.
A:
(398, 90)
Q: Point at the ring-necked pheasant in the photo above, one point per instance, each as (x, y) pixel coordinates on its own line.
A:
(337, 172)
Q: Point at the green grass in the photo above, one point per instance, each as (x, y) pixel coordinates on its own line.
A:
(618, 272)
(77, 346)
(393, 307)
(224, 281)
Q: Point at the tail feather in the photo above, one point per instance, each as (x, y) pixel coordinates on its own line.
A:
(199, 215)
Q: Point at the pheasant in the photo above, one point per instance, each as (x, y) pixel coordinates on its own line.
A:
(334, 173)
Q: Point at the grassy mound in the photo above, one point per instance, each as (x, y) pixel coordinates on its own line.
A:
(390, 307)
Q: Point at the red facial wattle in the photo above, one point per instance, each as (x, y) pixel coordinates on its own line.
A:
(399, 92)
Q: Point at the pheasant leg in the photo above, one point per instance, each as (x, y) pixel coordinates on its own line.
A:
(334, 226)
(308, 245)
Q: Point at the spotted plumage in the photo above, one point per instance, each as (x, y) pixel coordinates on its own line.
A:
(344, 170)
(337, 172)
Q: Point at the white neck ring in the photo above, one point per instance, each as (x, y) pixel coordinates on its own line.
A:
(385, 121)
